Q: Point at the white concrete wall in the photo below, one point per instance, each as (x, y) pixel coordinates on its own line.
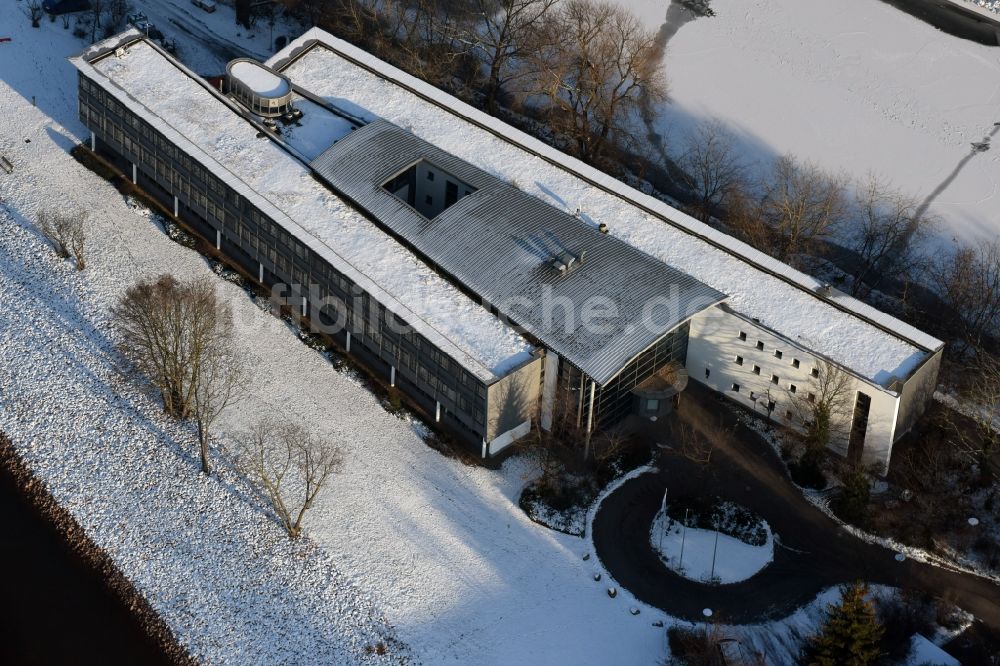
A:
(436, 188)
(917, 393)
(715, 344)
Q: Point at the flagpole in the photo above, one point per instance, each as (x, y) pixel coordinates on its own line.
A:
(663, 523)
(680, 563)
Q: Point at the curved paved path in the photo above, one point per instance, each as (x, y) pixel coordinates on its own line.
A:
(814, 554)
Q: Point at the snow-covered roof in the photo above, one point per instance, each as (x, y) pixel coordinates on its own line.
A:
(504, 246)
(869, 342)
(211, 130)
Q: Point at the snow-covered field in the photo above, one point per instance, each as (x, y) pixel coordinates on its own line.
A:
(853, 85)
(705, 555)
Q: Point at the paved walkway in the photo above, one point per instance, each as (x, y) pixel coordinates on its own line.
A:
(814, 554)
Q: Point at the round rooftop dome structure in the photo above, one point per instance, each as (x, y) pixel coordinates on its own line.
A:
(259, 88)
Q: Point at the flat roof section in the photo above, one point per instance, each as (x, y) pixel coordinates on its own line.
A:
(210, 129)
(857, 336)
(592, 298)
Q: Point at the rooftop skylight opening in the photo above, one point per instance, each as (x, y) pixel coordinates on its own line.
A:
(427, 188)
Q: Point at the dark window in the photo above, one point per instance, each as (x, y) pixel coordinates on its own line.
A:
(812, 397)
(739, 360)
(736, 387)
(756, 369)
(743, 336)
(429, 200)
(770, 405)
(815, 372)
(795, 362)
(708, 373)
(450, 193)
(777, 354)
(760, 345)
(792, 388)
(430, 175)
(774, 379)
(788, 415)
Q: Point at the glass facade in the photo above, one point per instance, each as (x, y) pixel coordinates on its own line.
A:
(614, 401)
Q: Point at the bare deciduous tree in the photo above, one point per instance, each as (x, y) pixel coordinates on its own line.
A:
(888, 235)
(596, 64)
(96, 10)
(178, 334)
(968, 281)
(825, 407)
(117, 10)
(220, 381)
(713, 168)
(66, 233)
(983, 396)
(501, 33)
(34, 12)
(803, 205)
(698, 433)
(291, 464)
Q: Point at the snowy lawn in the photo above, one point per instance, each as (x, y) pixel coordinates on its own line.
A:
(706, 558)
(850, 84)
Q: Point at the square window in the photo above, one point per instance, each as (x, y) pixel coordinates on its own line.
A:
(743, 336)
(652, 405)
(788, 415)
(812, 397)
(753, 396)
(792, 388)
(429, 200)
(760, 345)
(739, 360)
(795, 362)
(774, 379)
(756, 369)
(736, 387)
(777, 354)
(430, 175)
(770, 405)
(815, 372)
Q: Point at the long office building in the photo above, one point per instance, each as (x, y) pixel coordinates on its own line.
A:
(495, 281)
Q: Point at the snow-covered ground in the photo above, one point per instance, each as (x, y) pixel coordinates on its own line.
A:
(707, 555)
(852, 85)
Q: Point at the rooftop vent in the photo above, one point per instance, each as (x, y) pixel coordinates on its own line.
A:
(566, 261)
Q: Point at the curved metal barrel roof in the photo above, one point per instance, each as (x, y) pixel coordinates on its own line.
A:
(613, 303)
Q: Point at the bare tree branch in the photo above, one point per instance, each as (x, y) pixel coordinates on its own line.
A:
(803, 205)
(714, 169)
(595, 64)
(888, 235)
(292, 465)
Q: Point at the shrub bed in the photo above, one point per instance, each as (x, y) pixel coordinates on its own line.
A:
(711, 513)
